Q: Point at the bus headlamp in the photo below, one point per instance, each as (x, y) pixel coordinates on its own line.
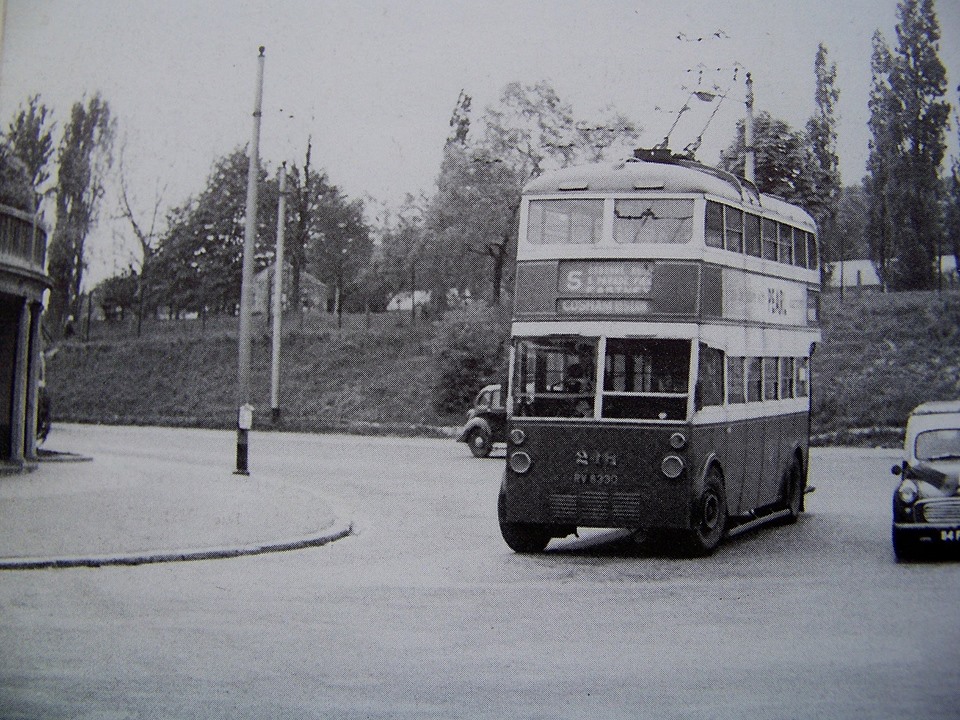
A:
(671, 466)
(518, 436)
(908, 492)
(520, 462)
(678, 441)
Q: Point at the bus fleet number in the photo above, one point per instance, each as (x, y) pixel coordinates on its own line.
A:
(776, 301)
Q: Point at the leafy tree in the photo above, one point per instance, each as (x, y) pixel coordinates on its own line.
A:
(469, 351)
(532, 130)
(340, 242)
(404, 248)
(952, 213)
(118, 294)
(471, 222)
(25, 154)
(84, 157)
(881, 162)
(200, 259)
(825, 168)
(908, 120)
(781, 155)
(852, 214)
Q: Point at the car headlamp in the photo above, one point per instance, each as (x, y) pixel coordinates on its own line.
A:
(908, 492)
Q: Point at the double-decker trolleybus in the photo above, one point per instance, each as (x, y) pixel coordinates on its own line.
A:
(665, 315)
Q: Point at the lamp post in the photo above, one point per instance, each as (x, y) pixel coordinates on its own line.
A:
(278, 298)
(245, 409)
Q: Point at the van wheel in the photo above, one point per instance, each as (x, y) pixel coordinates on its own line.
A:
(480, 442)
(709, 517)
(521, 537)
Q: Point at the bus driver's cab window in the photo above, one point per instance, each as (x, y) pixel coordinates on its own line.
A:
(553, 377)
(646, 379)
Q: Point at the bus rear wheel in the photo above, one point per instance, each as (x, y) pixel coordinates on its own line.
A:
(521, 537)
(793, 493)
(709, 517)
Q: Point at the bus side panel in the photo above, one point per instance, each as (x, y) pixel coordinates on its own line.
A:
(714, 440)
(776, 433)
(735, 467)
(591, 475)
(755, 461)
(783, 434)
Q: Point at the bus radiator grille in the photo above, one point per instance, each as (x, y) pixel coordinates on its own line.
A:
(613, 509)
(942, 511)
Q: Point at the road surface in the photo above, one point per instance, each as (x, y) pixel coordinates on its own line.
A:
(425, 613)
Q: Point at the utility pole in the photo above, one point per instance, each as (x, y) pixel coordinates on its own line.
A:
(245, 409)
(278, 298)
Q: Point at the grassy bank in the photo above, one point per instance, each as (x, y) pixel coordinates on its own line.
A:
(881, 355)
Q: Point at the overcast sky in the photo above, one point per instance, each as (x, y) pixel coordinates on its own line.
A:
(374, 81)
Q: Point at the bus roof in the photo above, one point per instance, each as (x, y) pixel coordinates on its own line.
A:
(673, 176)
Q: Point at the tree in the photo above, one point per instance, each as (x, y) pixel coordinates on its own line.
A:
(340, 242)
(84, 158)
(881, 162)
(118, 294)
(200, 259)
(148, 235)
(952, 213)
(25, 156)
(782, 159)
(825, 168)
(908, 120)
(471, 222)
(533, 130)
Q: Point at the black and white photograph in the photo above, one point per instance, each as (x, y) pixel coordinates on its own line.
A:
(534, 359)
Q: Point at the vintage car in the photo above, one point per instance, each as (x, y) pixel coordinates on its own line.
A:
(926, 502)
(486, 422)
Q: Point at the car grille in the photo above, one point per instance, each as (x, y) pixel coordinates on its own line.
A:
(941, 511)
(597, 508)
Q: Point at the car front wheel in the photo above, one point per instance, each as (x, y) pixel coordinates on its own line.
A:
(480, 442)
(904, 546)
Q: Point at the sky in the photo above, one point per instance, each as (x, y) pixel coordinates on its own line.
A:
(374, 82)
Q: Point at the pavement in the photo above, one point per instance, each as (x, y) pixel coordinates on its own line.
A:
(72, 510)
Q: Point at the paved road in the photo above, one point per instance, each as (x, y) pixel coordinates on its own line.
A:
(425, 613)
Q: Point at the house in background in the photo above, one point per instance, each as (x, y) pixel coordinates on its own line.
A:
(401, 301)
(862, 273)
(23, 249)
(313, 293)
(854, 274)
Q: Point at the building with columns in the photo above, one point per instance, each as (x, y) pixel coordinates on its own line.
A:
(23, 248)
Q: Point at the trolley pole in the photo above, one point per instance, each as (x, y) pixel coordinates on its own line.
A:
(278, 298)
(245, 409)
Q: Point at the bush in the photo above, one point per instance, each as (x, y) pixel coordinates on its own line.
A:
(469, 351)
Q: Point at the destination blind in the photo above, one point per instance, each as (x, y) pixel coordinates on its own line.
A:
(650, 288)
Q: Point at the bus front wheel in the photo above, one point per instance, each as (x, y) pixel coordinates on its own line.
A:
(521, 537)
(709, 516)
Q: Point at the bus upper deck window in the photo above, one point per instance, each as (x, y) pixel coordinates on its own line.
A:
(653, 221)
(564, 222)
(714, 225)
(751, 232)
